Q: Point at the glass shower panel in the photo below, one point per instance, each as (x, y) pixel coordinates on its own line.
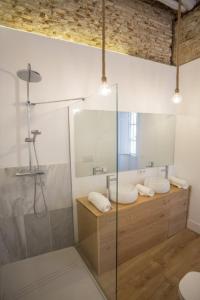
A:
(94, 163)
(149, 211)
(38, 253)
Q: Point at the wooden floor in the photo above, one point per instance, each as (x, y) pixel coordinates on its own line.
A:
(155, 274)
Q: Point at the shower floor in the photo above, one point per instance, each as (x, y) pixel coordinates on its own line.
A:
(58, 275)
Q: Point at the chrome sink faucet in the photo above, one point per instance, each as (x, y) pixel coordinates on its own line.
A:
(150, 164)
(109, 179)
(166, 170)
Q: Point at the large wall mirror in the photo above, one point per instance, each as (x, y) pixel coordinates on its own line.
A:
(144, 140)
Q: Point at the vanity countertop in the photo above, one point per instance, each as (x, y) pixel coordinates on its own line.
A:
(141, 199)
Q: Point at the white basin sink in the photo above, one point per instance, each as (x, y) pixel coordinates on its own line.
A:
(126, 194)
(158, 184)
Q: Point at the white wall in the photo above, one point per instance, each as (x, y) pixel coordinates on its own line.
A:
(68, 70)
(187, 154)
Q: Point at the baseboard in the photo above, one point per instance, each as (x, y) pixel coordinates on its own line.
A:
(194, 226)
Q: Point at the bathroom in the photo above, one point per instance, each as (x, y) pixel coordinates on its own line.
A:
(87, 106)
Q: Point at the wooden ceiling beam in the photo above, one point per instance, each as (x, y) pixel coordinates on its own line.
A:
(186, 4)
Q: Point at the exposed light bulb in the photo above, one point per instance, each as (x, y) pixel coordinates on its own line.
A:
(177, 98)
(105, 89)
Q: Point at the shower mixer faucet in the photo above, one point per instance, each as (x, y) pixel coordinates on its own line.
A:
(35, 133)
(30, 76)
(33, 139)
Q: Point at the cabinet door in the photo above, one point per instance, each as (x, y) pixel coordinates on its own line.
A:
(178, 208)
(141, 227)
(87, 234)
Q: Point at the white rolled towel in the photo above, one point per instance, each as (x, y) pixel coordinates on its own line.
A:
(180, 183)
(145, 190)
(99, 201)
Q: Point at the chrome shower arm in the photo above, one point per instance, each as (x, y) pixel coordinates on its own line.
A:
(59, 101)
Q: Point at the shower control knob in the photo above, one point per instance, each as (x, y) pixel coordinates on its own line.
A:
(28, 140)
(36, 132)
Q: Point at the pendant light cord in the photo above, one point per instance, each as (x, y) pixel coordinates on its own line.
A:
(104, 79)
(178, 47)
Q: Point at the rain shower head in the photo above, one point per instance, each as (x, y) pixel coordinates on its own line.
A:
(29, 75)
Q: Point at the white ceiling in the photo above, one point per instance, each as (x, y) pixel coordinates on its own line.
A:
(186, 4)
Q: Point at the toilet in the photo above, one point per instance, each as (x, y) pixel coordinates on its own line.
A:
(189, 286)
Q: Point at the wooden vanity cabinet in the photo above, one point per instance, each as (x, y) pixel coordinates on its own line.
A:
(141, 225)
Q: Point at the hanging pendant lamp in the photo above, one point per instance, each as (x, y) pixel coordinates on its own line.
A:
(105, 90)
(177, 98)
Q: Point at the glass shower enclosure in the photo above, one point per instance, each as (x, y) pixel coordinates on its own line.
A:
(93, 133)
(69, 251)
